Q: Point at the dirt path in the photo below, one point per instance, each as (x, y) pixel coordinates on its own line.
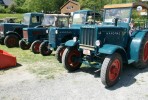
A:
(85, 84)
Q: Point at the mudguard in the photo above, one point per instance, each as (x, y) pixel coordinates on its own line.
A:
(135, 44)
(109, 49)
(14, 33)
(71, 43)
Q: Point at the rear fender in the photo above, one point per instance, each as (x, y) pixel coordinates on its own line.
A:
(110, 49)
(71, 43)
(134, 47)
(13, 33)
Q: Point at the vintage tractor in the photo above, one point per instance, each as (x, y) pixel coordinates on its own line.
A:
(61, 35)
(11, 33)
(121, 39)
(34, 36)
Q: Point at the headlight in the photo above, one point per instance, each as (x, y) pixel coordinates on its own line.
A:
(98, 43)
(56, 31)
(47, 31)
(2, 32)
(74, 39)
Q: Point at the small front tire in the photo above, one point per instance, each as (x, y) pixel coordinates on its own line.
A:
(71, 59)
(35, 46)
(111, 69)
(43, 49)
(23, 45)
(59, 53)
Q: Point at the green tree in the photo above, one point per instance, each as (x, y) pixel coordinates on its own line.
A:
(93, 3)
(44, 5)
(19, 2)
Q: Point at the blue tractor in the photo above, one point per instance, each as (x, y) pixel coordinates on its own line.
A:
(32, 37)
(61, 35)
(121, 39)
(11, 33)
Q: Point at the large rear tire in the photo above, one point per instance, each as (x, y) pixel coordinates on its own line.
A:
(143, 54)
(59, 53)
(70, 59)
(43, 49)
(23, 45)
(35, 46)
(111, 69)
(11, 41)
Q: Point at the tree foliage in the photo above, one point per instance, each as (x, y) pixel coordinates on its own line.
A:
(44, 5)
(53, 6)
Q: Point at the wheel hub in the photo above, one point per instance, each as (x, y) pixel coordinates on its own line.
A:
(114, 70)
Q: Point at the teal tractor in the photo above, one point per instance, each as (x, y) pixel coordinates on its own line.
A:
(33, 36)
(58, 35)
(121, 39)
(11, 33)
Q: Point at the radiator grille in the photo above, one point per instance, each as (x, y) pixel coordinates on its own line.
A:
(25, 34)
(88, 36)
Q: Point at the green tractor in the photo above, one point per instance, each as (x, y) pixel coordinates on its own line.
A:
(11, 33)
(121, 39)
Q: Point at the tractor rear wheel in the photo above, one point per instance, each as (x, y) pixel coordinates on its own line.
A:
(35, 46)
(111, 69)
(11, 41)
(23, 45)
(70, 59)
(143, 54)
(59, 53)
(43, 49)
(2, 41)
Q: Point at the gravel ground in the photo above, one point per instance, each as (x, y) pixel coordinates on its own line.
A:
(85, 84)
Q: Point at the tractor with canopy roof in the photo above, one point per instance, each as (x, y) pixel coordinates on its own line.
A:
(121, 39)
(32, 37)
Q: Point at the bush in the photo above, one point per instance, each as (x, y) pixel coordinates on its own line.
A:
(2, 9)
(21, 10)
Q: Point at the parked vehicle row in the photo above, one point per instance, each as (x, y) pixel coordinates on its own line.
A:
(121, 38)
(11, 33)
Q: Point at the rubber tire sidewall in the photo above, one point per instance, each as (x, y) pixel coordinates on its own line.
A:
(57, 54)
(23, 45)
(105, 69)
(11, 36)
(65, 60)
(32, 47)
(42, 48)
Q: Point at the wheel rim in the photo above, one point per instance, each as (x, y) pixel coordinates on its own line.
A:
(24, 45)
(73, 55)
(145, 52)
(114, 70)
(11, 41)
(46, 50)
(36, 46)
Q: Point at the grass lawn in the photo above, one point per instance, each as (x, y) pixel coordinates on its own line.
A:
(43, 66)
(19, 16)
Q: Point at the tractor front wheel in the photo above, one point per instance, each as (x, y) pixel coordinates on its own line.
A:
(143, 54)
(59, 53)
(70, 59)
(111, 69)
(23, 45)
(35, 47)
(44, 49)
(11, 41)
